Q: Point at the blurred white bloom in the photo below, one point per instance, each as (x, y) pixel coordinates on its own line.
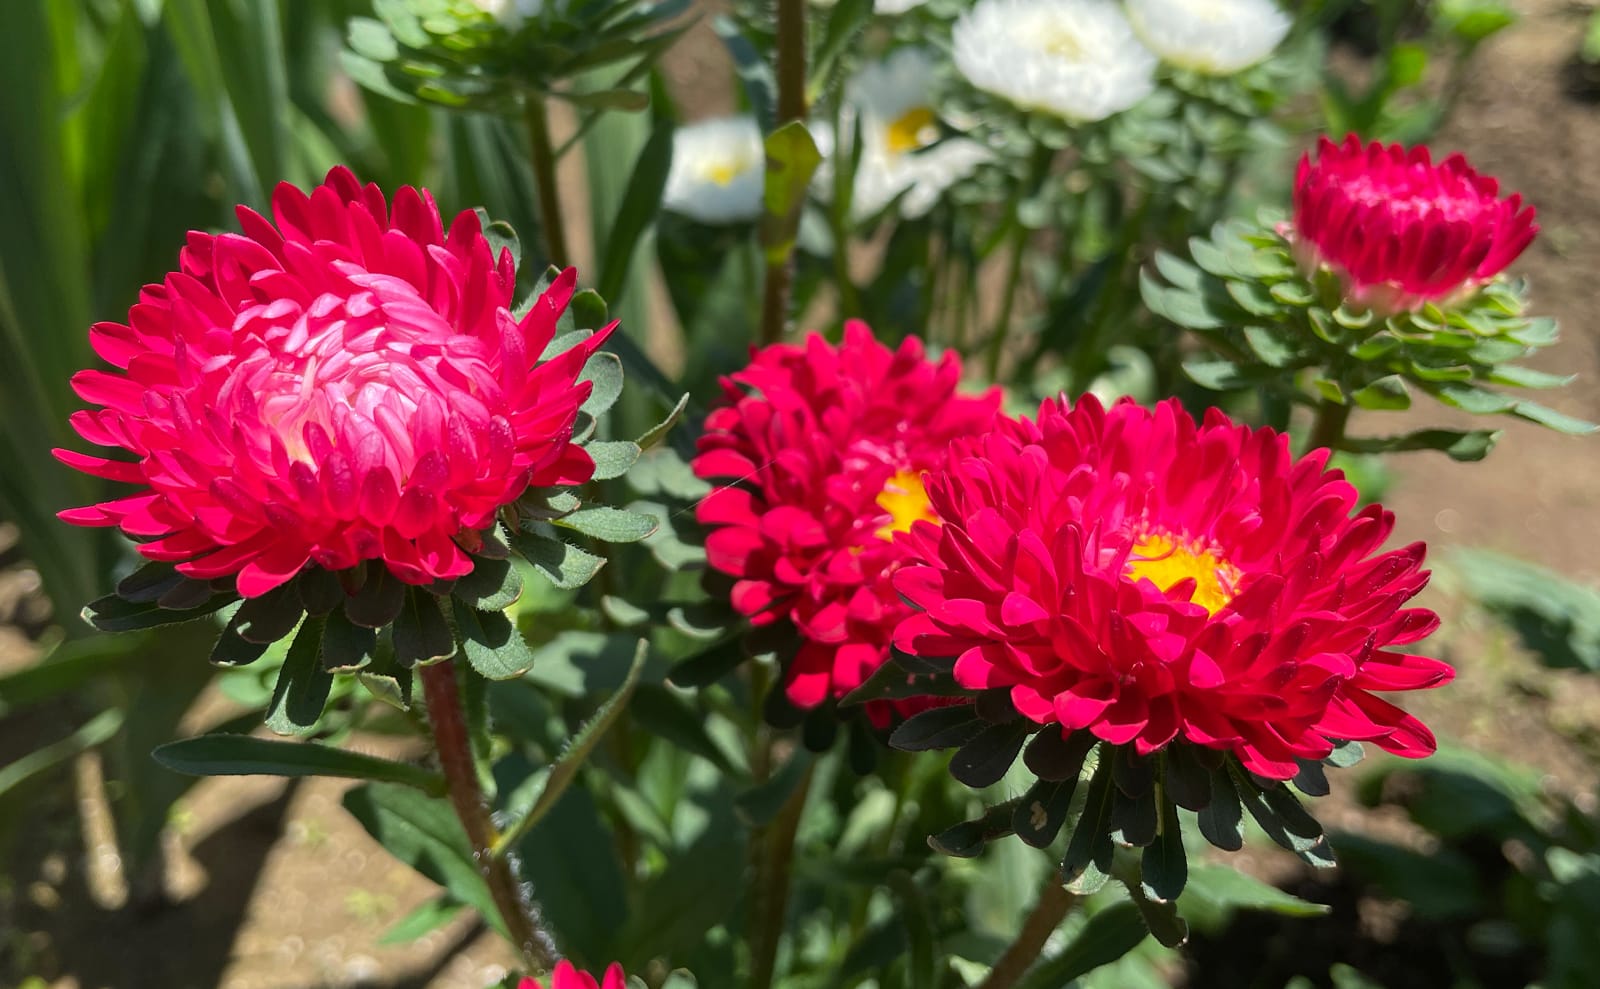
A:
(898, 124)
(1217, 37)
(895, 6)
(718, 170)
(1077, 59)
(510, 13)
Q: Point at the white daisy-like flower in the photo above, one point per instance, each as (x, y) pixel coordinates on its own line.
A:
(510, 13)
(718, 170)
(1077, 59)
(1216, 37)
(900, 147)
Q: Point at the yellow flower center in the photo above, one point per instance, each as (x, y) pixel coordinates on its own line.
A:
(906, 501)
(724, 172)
(1062, 41)
(911, 130)
(1166, 561)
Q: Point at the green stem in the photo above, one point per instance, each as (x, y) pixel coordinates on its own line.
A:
(541, 155)
(772, 890)
(1053, 906)
(451, 741)
(791, 71)
(1327, 429)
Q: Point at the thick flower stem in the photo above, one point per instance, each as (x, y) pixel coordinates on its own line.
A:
(791, 72)
(451, 741)
(1053, 906)
(541, 155)
(1038, 168)
(772, 884)
(1327, 429)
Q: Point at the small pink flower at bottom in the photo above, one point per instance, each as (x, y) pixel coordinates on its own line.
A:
(1400, 230)
(566, 976)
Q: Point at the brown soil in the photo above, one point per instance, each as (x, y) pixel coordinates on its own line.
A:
(277, 887)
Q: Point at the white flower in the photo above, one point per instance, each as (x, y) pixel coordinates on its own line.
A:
(1078, 59)
(718, 169)
(899, 131)
(895, 6)
(510, 13)
(1217, 37)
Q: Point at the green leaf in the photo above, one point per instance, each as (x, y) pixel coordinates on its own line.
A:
(566, 566)
(1550, 418)
(626, 100)
(423, 832)
(1464, 445)
(638, 208)
(1161, 916)
(1388, 392)
(269, 617)
(1109, 934)
(425, 919)
(1215, 891)
(565, 769)
(1557, 619)
(656, 433)
(492, 644)
(612, 458)
(1222, 819)
(112, 614)
(605, 370)
(792, 158)
(245, 755)
(1164, 868)
(420, 632)
(1087, 863)
(67, 668)
(921, 935)
(761, 803)
(303, 684)
(612, 525)
(673, 719)
(492, 585)
(97, 731)
(346, 646)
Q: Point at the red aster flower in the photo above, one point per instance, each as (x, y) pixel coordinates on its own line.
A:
(567, 977)
(1400, 230)
(343, 383)
(1128, 574)
(820, 451)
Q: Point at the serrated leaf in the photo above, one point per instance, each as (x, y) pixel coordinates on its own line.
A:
(565, 769)
(565, 565)
(346, 646)
(491, 643)
(1222, 820)
(967, 839)
(420, 632)
(1164, 868)
(245, 755)
(985, 758)
(379, 599)
(612, 525)
(937, 728)
(112, 614)
(491, 585)
(302, 687)
(1087, 863)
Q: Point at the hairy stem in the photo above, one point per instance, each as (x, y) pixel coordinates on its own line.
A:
(541, 155)
(1053, 906)
(451, 741)
(791, 106)
(1327, 429)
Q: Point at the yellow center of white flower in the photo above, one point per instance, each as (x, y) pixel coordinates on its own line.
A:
(906, 501)
(911, 130)
(1061, 40)
(1166, 561)
(722, 171)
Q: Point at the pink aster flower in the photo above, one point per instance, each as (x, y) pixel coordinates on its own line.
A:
(820, 451)
(343, 383)
(566, 976)
(1400, 230)
(1126, 573)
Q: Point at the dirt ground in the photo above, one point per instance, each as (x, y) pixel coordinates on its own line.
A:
(276, 887)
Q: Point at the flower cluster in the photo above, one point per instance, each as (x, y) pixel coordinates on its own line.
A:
(1401, 231)
(819, 452)
(343, 383)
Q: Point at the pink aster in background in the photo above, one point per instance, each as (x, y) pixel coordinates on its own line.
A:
(344, 382)
(566, 976)
(818, 451)
(1400, 230)
(1124, 572)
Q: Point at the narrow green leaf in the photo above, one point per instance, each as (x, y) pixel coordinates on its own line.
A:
(1464, 445)
(921, 933)
(761, 803)
(1164, 868)
(565, 769)
(112, 614)
(638, 209)
(1109, 934)
(612, 525)
(97, 731)
(1221, 889)
(245, 755)
(346, 646)
(303, 684)
(421, 633)
(425, 919)
(656, 433)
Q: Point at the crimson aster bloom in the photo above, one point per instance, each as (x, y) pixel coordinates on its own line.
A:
(342, 383)
(1125, 573)
(566, 976)
(819, 451)
(1400, 230)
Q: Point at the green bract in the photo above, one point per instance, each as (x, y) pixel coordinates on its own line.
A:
(1270, 326)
